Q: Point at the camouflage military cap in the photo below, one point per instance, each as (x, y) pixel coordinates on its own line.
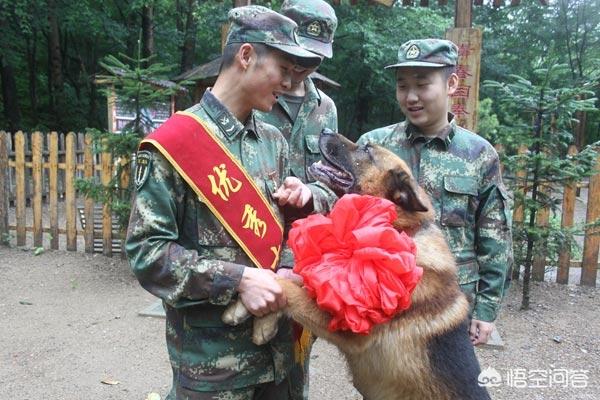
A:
(426, 53)
(257, 24)
(316, 24)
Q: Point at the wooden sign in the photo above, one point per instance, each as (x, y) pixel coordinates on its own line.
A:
(463, 103)
(122, 115)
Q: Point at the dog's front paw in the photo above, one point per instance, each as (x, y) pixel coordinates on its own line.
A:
(265, 328)
(235, 313)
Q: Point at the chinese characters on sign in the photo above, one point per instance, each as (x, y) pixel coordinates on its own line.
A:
(463, 103)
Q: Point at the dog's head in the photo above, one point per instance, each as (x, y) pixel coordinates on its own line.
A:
(373, 170)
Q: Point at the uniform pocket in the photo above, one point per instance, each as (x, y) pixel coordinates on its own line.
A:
(459, 191)
(313, 153)
(214, 354)
(507, 205)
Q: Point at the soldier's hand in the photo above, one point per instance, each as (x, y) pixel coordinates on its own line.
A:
(480, 331)
(289, 274)
(293, 192)
(260, 292)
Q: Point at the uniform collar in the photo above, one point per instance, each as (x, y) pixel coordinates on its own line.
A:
(312, 94)
(443, 137)
(230, 126)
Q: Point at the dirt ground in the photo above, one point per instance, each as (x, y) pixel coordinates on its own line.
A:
(70, 321)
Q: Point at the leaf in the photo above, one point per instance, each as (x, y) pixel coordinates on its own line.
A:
(110, 382)
(153, 396)
(25, 303)
(38, 250)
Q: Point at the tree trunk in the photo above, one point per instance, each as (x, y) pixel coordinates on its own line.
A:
(93, 119)
(581, 117)
(31, 50)
(55, 61)
(189, 38)
(9, 95)
(531, 240)
(147, 31)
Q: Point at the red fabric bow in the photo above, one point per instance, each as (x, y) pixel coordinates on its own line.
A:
(358, 267)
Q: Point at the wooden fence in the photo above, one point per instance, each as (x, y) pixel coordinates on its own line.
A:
(41, 169)
(37, 178)
(589, 263)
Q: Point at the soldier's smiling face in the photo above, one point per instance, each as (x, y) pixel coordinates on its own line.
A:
(268, 75)
(422, 93)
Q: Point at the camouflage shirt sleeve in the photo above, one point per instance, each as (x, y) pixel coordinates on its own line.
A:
(493, 241)
(160, 252)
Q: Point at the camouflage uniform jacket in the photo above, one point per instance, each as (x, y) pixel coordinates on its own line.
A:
(461, 173)
(181, 253)
(317, 112)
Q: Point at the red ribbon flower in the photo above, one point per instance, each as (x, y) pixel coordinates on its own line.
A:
(354, 263)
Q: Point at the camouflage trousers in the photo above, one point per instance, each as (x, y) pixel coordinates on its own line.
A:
(263, 391)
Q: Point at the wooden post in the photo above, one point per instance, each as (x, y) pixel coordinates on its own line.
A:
(500, 150)
(88, 173)
(462, 16)
(53, 188)
(70, 204)
(224, 32)
(539, 260)
(589, 264)
(20, 187)
(519, 210)
(464, 102)
(106, 174)
(568, 214)
(37, 145)
(125, 177)
(4, 190)
(521, 177)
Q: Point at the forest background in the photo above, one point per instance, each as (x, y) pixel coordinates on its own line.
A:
(51, 51)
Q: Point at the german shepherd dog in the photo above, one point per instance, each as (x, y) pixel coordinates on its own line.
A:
(424, 353)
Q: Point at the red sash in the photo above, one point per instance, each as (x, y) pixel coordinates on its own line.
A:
(222, 183)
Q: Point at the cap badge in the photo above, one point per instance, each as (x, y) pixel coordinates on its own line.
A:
(412, 52)
(314, 29)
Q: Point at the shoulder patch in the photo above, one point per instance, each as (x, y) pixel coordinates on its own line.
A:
(143, 161)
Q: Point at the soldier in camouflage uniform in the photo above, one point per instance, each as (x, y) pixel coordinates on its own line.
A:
(179, 250)
(458, 169)
(301, 113)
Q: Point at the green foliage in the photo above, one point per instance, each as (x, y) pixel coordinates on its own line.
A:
(121, 147)
(551, 105)
(138, 84)
(487, 121)
(130, 80)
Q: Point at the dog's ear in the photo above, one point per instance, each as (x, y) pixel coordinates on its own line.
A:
(404, 191)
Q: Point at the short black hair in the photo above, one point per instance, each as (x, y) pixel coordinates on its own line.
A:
(231, 50)
(448, 70)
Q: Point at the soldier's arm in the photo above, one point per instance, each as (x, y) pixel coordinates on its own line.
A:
(493, 241)
(162, 265)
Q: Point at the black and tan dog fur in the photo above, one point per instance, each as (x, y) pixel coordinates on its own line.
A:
(424, 352)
